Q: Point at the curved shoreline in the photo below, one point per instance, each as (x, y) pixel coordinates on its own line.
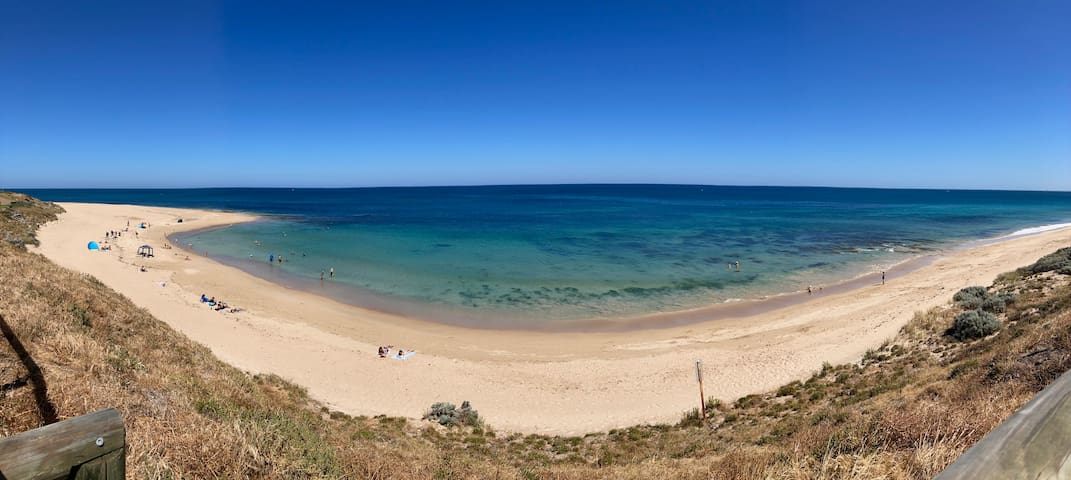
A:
(495, 320)
(573, 383)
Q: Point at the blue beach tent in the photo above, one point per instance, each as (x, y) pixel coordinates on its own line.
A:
(94, 246)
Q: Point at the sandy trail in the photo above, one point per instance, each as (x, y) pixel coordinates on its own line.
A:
(555, 383)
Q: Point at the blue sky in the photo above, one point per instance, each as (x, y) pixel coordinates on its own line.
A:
(891, 94)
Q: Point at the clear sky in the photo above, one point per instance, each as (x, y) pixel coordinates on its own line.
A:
(944, 94)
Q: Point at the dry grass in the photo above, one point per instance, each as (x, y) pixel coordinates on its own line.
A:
(905, 411)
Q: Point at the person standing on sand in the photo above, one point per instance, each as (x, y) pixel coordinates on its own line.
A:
(883, 278)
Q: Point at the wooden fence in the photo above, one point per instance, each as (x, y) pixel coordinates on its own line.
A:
(1034, 443)
(91, 446)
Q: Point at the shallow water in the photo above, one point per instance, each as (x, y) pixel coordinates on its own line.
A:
(558, 253)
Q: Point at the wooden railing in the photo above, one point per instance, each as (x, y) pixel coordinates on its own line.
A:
(1035, 442)
(87, 447)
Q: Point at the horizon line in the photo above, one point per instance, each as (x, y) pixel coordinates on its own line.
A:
(491, 185)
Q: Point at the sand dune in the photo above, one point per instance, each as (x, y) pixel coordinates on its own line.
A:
(562, 383)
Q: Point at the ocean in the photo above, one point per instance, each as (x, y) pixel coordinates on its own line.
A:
(515, 256)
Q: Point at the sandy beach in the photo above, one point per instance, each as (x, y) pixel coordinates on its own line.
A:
(555, 383)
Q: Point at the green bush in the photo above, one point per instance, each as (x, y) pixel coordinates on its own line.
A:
(998, 303)
(971, 298)
(449, 415)
(993, 305)
(978, 298)
(1058, 261)
(973, 324)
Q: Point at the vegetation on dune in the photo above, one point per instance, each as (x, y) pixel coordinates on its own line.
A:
(449, 415)
(21, 215)
(979, 298)
(1058, 261)
(973, 324)
(906, 410)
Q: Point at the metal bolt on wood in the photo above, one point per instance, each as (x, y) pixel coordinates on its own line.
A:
(60, 450)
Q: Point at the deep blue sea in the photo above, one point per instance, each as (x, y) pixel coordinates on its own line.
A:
(569, 252)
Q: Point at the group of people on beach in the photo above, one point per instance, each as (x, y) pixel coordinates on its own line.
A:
(218, 305)
(384, 352)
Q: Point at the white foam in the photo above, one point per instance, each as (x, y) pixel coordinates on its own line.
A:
(1033, 230)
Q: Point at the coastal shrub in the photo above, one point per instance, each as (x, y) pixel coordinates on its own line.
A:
(998, 303)
(442, 412)
(975, 298)
(789, 389)
(466, 415)
(973, 324)
(994, 305)
(1058, 261)
(449, 415)
(971, 298)
(690, 418)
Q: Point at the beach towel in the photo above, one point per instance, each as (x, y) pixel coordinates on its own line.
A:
(404, 357)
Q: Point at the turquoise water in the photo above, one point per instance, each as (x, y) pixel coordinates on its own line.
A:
(558, 253)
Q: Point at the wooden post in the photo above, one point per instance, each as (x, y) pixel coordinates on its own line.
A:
(702, 398)
(91, 446)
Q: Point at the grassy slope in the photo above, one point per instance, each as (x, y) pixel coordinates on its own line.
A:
(905, 411)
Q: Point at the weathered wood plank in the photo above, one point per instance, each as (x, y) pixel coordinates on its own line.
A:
(111, 466)
(1035, 442)
(49, 452)
(115, 467)
(91, 470)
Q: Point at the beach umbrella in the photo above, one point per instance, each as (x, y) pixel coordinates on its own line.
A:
(94, 246)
